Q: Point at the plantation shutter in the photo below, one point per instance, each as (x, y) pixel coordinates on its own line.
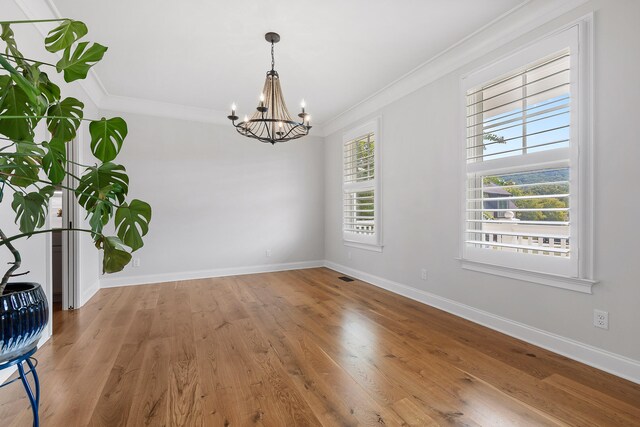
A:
(359, 185)
(526, 112)
(518, 160)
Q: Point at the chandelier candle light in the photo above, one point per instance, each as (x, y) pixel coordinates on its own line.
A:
(272, 122)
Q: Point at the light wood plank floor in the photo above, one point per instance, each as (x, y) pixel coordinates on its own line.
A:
(301, 348)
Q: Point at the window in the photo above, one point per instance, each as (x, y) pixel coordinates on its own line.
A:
(522, 204)
(361, 193)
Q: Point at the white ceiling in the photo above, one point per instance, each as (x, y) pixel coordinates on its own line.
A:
(333, 53)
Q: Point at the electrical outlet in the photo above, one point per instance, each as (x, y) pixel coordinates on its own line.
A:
(267, 252)
(349, 254)
(136, 262)
(601, 319)
(423, 274)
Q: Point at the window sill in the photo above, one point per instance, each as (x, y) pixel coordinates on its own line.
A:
(366, 246)
(569, 283)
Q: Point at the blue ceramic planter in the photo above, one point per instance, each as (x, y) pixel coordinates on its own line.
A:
(24, 313)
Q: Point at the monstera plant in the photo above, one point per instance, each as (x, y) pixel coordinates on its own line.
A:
(33, 162)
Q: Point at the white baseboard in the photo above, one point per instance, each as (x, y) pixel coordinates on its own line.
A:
(86, 294)
(110, 282)
(598, 358)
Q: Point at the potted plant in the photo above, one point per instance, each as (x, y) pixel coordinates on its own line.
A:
(31, 169)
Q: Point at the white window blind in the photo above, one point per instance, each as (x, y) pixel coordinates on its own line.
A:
(359, 213)
(519, 193)
(360, 186)
(524, 113)
(359, 159)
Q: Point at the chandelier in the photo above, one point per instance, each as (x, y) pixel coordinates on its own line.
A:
(272, 122)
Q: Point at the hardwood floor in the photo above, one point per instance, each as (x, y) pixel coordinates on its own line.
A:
(301, 348)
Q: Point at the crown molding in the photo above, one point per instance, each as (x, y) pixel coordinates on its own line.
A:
(514, 23)
(95, 90)
(509, 26)
(163, 109)
(45, 9)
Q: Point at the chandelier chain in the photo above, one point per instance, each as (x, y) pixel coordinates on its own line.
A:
(273, 62)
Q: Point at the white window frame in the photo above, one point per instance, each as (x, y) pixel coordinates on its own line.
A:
(368, 242)
(575, 273)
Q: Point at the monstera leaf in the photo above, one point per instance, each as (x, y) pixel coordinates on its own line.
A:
(49, 90)
(115, 255)
(21, 168)
(100, 215)
(55, 160)
(76, 65)
(8, 37)
(32, 92)
(65, 118)
(132, 222)
(29, 149)
(107, 137)
(15, 102)
(108, 181)
(31, 209)
(65, 35)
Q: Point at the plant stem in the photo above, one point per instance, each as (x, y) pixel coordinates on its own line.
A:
(14, 141)
(42, 181)
(7, 241)
(73, 190)
(15, 265)
(34, 21)
(15, 190)
(36, 156)
(43, 117)
(6, 55)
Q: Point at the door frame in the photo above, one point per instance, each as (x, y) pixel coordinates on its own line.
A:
(70, 239)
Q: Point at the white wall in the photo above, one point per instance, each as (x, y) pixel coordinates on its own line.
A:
(420, 155)
(220, 200)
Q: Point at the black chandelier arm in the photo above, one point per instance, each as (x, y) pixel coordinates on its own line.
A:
(296, 127)
(250, 134)
(250, 131)
(289, 122)
(273, 141)
(266, 126)
(245, 130)
(300, 135)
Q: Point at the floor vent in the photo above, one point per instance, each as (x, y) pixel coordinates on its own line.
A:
(345, 279)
